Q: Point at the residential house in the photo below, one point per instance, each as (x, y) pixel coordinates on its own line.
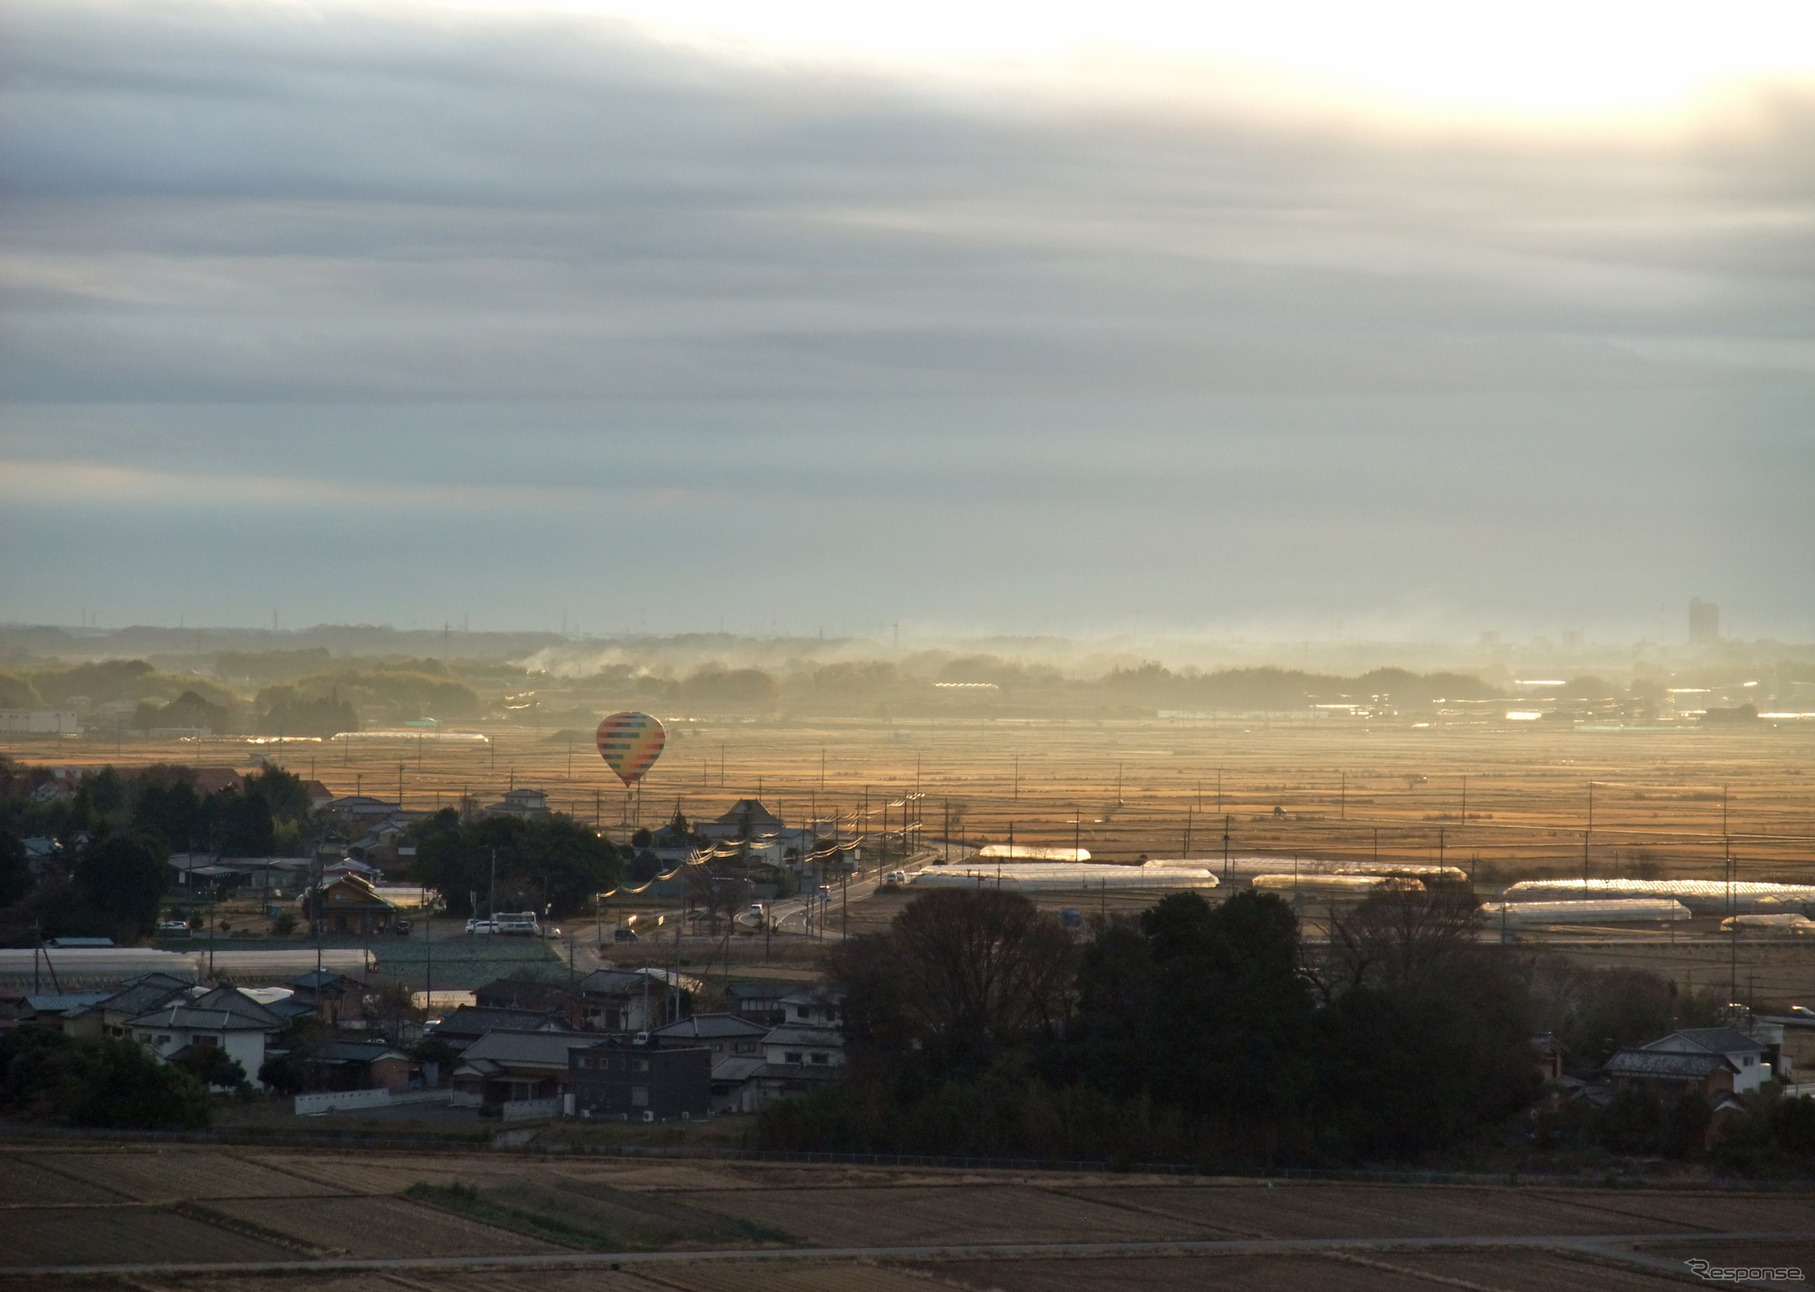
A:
(722, 1035)
(815, 1007)
(760, 1002)
(626, 1081)
(798, 1060)
(634, 1000)
(332, 997)
(348, 903)
(525, 804)
(1670, 1075)
(537, 994)
(1795, 1043)
(747, 819)
(385, 849)
(56, 1010)
(360, 811)
(111, 1017)
(510, 1066)
(465, 1024)
(359, 1065)
(1746, 1054)
(735, 1045)
(225, 1017)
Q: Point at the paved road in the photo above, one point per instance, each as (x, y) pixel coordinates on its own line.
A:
(790, 914)
(1618, 1248)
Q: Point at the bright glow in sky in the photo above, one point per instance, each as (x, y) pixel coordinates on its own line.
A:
(1543, 58)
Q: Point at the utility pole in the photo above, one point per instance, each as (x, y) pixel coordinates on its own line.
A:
(491, 909)
(1187, 854)
(1227, 821)
(1342, 811)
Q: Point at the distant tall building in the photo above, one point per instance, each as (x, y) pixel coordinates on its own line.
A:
(1704, 621)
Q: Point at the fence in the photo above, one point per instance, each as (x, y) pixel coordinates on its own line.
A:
(520, 1110)
(344, 1100)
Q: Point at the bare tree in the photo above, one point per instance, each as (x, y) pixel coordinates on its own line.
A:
(1399, 938)
(960, 971)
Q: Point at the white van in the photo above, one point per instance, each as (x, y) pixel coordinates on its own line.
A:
(522, 923)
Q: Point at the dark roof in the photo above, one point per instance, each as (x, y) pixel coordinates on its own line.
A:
(319, 980)
(751, 810)
(701, 1027)
(791, 1035)
(520, 993)
(1710, 1040)
(531, 1049)
(64, 1003)
(618, 982)
(737, 1067)
(234, 1001)
(472, 1020)
(774, 991)
(1665, 1063)
(146, 993)
(204, 1020)
(358, 1052)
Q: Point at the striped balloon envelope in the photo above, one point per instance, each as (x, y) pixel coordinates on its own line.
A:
(630, 743)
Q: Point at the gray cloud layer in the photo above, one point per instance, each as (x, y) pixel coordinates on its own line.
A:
(375, 319)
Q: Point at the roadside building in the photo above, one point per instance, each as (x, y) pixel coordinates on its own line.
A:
(349, 903)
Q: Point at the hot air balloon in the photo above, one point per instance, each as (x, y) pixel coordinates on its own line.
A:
(630, 743)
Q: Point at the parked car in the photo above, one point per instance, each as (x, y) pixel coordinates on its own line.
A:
(624, 935)
(401, 926)
(481, 926)
(895, 877)
(757, 910)
(173, 926)
(551, 932)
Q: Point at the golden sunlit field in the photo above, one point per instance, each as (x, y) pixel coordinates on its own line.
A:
(1666, 803)
(1508, 801)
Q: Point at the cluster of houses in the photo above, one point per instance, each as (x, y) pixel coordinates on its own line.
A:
(613, 1043)
(1727, 1066)
(172, 1016)
(618, 1046)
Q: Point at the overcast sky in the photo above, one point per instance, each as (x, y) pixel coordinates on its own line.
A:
(421, 313)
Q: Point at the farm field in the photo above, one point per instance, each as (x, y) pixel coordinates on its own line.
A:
(704, 1225)
(1503, 798)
